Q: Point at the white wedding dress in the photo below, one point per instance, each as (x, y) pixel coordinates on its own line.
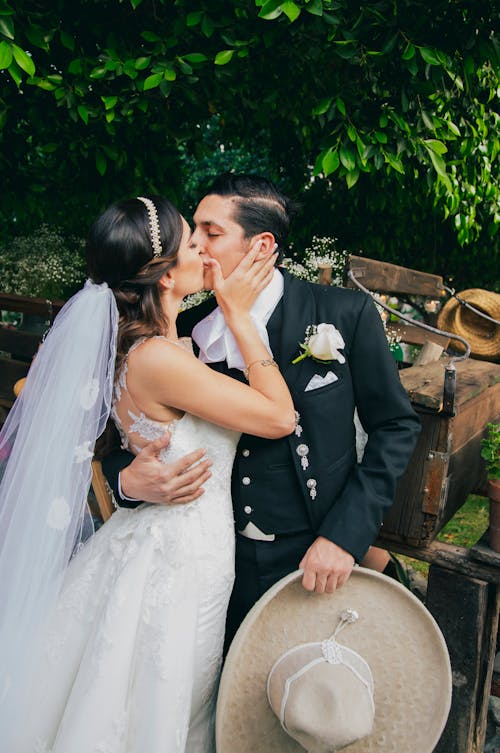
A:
(134, 651)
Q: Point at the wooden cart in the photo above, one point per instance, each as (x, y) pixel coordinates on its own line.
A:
(463, 590)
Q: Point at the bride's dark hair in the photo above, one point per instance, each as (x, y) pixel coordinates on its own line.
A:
(120, 253)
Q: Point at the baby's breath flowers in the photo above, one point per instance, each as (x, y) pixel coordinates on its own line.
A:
(322, 252)
(42, 265)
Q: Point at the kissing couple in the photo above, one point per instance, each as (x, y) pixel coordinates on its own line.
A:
(116, 644)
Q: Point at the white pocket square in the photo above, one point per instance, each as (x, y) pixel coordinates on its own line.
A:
(318, 381)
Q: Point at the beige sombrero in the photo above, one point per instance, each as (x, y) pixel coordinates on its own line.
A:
(394, 634)
(482, 335)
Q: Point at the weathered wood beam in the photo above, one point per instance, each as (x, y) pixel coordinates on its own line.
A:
(410, 333)
(456, 558)
(384, 277)
(27, 305)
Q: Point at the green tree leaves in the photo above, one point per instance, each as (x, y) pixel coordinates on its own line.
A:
(370, 94)
(224, 57)
(5, 55)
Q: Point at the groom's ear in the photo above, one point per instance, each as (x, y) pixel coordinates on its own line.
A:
(267, 244)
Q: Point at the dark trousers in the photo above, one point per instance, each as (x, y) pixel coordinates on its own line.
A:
(259, 565)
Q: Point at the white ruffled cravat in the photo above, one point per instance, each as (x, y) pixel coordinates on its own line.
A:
(215, 339)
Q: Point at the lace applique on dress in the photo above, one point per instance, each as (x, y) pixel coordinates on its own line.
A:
(147, 428)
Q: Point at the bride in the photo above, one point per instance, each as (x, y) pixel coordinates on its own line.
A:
(114, 646)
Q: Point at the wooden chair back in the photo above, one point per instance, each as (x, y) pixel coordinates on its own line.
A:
(101, 490)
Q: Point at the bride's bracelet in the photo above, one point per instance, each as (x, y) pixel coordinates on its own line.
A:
(262, 362)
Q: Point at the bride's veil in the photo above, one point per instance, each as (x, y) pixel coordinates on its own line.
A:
(46, 447)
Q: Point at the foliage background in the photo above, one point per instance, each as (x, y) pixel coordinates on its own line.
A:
(380, 117)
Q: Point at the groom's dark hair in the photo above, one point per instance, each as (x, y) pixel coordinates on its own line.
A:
(260, 206)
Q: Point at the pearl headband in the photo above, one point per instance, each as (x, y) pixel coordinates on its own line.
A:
(154, 225)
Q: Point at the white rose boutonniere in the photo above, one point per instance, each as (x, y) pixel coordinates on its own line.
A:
(323, 343)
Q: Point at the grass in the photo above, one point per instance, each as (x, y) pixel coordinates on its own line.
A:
(464, 529)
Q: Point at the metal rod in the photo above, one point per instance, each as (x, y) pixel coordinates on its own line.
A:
(407, 319)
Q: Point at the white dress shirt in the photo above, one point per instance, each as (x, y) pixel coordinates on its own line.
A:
(215, 339)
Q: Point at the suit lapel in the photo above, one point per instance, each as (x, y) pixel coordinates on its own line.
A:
(299, 310)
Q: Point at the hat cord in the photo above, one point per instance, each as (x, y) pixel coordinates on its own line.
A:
(347, 617)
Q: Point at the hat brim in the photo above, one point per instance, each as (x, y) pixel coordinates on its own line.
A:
(481, 334)
(396, 635)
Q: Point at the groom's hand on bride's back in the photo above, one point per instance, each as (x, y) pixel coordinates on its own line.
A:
(149, 479)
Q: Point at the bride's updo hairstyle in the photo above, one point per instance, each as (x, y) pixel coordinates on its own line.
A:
(122, 252)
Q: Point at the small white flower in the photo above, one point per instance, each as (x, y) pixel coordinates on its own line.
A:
(59, 515)
(323, 343)
(83, 452)
(89, 394)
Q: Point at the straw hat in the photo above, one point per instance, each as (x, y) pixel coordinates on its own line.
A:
(394, 635)
(483, 336)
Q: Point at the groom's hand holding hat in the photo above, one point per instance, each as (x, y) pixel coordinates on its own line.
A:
(326, 566)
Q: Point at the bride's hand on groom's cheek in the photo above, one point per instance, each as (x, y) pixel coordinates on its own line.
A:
(149, 479)
(237, 292)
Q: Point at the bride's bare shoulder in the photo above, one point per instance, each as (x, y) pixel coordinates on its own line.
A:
(155, 354)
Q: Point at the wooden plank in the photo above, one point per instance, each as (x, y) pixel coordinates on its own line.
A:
(424, 384)
(462, 607)
(101, 491)
(469, 423)
(324, 274)
(482, 552)
(456, 558)
(429, 353)
(391, 278)
(20, 344)
(27, 305)
(409, 333)
(406, 518)
(466, 471)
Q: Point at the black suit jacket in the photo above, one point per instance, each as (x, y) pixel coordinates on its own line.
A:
(350, 498)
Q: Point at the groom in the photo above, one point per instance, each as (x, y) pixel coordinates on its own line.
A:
(303, 500)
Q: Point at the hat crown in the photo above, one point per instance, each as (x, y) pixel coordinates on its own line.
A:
(322, 693)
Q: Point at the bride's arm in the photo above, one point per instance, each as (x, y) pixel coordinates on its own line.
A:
(159, 371)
